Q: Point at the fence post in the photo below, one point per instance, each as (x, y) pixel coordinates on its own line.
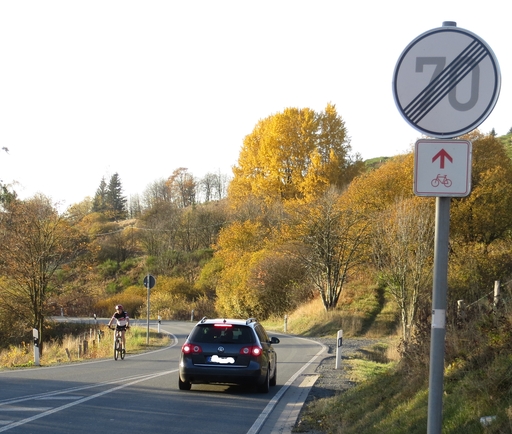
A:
(496, 294)
(461, 311)
(286, 323)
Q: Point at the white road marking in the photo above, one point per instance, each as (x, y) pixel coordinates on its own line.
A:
(64, 398)
(25, 408)
(273, 402)
(87, 398)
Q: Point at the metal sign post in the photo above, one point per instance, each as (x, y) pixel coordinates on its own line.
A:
(446, 83)
(439, 303)
(149, 282)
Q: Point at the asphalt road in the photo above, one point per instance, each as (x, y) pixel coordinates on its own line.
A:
(140, 395)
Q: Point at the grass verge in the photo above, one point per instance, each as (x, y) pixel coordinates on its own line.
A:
(94, 344)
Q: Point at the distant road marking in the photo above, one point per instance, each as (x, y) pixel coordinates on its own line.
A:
(87, 398)
(63, 398)
(25, 408)
(48, 395)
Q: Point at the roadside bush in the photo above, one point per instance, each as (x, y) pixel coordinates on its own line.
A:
(132, 304)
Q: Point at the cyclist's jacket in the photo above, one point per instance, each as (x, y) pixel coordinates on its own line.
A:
(121, 319)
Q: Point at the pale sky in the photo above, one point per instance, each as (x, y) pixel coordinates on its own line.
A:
(141, 88)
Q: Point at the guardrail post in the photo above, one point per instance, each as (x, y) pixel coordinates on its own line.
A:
(286, 323)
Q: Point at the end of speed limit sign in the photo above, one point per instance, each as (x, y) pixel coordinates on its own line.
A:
(446, 82)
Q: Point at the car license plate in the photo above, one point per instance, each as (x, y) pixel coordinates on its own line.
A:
(221, 360)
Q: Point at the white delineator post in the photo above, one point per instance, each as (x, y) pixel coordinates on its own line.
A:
(35, 333)
(339, 342)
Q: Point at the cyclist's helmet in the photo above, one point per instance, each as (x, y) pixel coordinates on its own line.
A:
(119, 306)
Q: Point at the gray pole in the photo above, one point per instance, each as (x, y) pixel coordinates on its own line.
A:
(147, 330)
(439, 303)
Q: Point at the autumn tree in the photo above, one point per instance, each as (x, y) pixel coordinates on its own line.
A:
(156, 193)
(480, 224)
(134, 206)
(213, 186)
(328, 238)
(280, 281)
(376, 190)
(403, 249)
(484, 215)
(159, 227)
(182, 187)
(294, 155)
(235, 250)
(36, 242)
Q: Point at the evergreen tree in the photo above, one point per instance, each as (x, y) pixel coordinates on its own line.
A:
(6, 196)
(116, 202)
(99, 203)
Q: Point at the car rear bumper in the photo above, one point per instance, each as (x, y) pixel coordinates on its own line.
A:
(222, 374)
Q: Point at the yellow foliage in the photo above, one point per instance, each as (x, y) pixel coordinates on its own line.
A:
(377, 190)
(238, 249)
(484, 215)
(294, 155)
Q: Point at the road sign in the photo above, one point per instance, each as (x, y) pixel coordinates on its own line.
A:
(149, 281)
(446, 82)
(442, 168)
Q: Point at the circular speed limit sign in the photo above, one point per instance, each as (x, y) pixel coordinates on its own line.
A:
(446, 82)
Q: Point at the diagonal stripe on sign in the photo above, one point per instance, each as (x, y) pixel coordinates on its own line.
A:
(444, 82)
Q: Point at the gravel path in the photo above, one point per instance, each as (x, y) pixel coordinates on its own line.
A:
(332, 381)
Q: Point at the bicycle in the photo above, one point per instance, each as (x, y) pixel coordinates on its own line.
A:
(119, 351)
(441, 179)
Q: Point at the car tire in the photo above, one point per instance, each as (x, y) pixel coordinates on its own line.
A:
(265, 386)
(184, 385)
(273, 380)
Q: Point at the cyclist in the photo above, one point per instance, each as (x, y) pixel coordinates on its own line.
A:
(122, 321)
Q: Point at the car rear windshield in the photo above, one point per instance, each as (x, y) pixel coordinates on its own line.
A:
(213, 333)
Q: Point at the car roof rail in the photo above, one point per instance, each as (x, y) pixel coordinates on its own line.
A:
(250, 320)
(203, 319)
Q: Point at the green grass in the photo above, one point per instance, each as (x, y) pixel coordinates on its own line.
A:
(391, 394)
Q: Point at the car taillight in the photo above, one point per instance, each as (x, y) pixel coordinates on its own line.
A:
(191, 349)
(253, 351)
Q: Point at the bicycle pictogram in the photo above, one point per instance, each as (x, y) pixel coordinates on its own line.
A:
(441, 179)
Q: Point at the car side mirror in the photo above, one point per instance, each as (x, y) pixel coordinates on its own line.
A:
(274, 340)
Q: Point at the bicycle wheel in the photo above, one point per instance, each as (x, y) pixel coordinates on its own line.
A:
(117, 349)
(121, 351)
